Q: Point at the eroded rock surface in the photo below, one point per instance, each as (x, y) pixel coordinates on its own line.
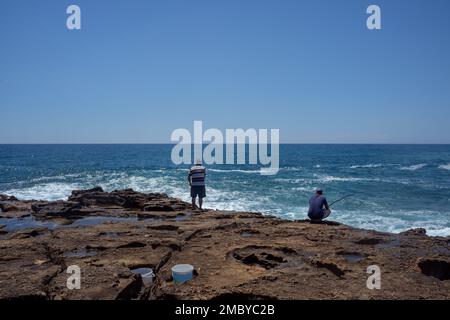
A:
(240, 255)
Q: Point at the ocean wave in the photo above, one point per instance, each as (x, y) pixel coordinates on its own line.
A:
(445, 166)
(328, 178)
(46, 191)
(233, 200)
(304, 189)
(56, 177)
(296, 213)
(393, 222)
(439, 232)
(414, 167)
(366, 166)
(109, 181)
(291, 169)
(292, 180)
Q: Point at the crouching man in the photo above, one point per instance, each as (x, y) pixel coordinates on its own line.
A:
(318, 207)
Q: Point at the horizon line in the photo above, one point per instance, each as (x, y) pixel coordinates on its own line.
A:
(174, 143)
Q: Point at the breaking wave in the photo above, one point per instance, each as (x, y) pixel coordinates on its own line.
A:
(414, 167)
(329, 178)
(366, 166)
(445, 166)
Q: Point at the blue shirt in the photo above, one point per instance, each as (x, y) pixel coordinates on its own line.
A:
(316, 204)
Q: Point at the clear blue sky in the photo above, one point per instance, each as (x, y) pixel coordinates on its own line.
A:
(139, 69)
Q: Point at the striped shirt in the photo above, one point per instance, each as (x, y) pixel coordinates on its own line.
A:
(197, 175)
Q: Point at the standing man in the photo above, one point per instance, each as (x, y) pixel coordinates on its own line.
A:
(318, 207)
(196, 180)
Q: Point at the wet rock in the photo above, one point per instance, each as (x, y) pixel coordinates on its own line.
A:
(329, 266)
(167, 227)
(77, 193)
(265, 260)
(15, 214)
(132, 289)
(29, 233)
(265, 257)
(97, 199)
(158, 207)
(8, 207)
(3, 230)
(14, 206)
(352, 257)
(324, 222)
(437, 268)
(127, 198)
(56, 208)
(4, 197)
(248, 233)
(369, 241)
(134, 244)
(415, 232)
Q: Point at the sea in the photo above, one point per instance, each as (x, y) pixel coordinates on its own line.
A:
(391, 188)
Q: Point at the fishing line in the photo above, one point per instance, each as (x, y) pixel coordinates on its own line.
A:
(349, 195)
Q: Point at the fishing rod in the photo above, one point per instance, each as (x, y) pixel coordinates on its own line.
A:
(349, 195)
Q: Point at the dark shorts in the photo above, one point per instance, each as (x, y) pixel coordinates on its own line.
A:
(316, 215)
(319, 215)
(199, 191)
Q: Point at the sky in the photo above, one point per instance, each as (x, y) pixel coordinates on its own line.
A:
(137, 70)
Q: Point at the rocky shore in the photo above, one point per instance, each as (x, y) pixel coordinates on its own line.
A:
(113, 236)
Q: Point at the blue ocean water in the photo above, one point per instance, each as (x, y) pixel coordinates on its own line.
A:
(394, 187)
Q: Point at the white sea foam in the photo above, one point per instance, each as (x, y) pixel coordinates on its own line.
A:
(445, 166)
(328, 178)
(57, 177)
(306, 189)
(292, 180)
(236, 200)
(108, 181)
(393, 223)
(443, 232)
(414, 167)
(366, 166)
(46, 191)
(291, 169)
(296, 213)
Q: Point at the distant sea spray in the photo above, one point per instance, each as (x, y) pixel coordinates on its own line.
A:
(414, 167)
